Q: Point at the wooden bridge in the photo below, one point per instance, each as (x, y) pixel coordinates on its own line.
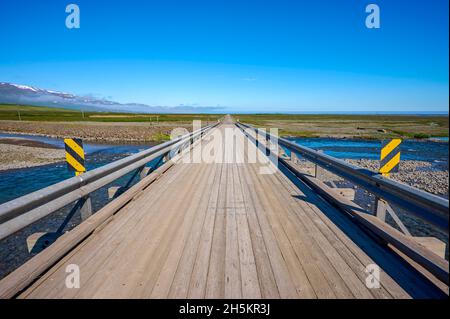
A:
(221, 229)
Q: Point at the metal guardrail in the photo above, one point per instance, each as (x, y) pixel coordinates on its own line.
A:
(23, 211)
(431, 208)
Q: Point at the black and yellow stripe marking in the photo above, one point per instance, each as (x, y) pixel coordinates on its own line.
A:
(390, 156)
(75, 155)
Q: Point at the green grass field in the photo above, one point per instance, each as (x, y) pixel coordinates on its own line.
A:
(38, 113)
(359, 126)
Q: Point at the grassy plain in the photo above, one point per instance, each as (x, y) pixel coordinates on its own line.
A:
(131, 126)
(352, 126)
(47, 114)
(95, 126)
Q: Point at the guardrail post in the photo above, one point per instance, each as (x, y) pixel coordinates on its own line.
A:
(281, 152)
(113, 191)
(294, 158)
(382, 207)
(86, 208)
(268, 143)
(379, 208)
(317, 168)
(144, 172)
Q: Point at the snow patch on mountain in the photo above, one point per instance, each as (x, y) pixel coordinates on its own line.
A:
(24, 94)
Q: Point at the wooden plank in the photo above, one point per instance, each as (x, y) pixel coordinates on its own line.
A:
(232, 265)
(120, 248)
(433, 244)
(283, 278)
(215, 284)
(28, 272)
(134, 283)
(137, 247)
(344, 238)
(308, 266)
(408, 280)
(342, 278)
(311, 253)
(153, 247)
(315, 247)
(249, 275)
(161, 259)
(276, 235)
(327, 236)
(179, 286)
(444, 288)
(114, 236)
(433, 263)
(267, 283)
(200, 272)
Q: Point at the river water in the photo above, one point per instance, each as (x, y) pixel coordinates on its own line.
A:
(418, 150)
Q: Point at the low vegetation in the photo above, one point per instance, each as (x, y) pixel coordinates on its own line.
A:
(160, 137)
(352, 126)
(158, 125)
(37, 113)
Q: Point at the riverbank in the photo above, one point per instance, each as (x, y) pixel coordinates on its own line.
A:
(97, 131)
(430, 177)
(21, 153)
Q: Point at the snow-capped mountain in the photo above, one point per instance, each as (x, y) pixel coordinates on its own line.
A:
(10, 88)
(28, 95)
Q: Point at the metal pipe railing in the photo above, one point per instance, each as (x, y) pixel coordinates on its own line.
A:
(40, 203)
(429, 207)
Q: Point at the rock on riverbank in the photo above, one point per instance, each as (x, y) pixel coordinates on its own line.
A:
(14, 154)
(430, 177)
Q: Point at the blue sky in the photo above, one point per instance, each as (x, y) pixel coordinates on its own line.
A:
(246, 56)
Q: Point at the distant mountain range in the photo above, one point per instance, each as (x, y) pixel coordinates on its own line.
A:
(28, 95)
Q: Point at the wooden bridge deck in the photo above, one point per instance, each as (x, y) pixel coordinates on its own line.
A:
(226, 231)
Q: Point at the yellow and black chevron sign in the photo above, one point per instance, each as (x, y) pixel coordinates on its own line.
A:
(390, 156)
(75, 155)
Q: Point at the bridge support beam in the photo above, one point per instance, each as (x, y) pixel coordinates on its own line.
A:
(379, 209)
(113, 191)
(144, 172)
(86, 208)
(317, 169)
(294, 158)
(382, 207)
